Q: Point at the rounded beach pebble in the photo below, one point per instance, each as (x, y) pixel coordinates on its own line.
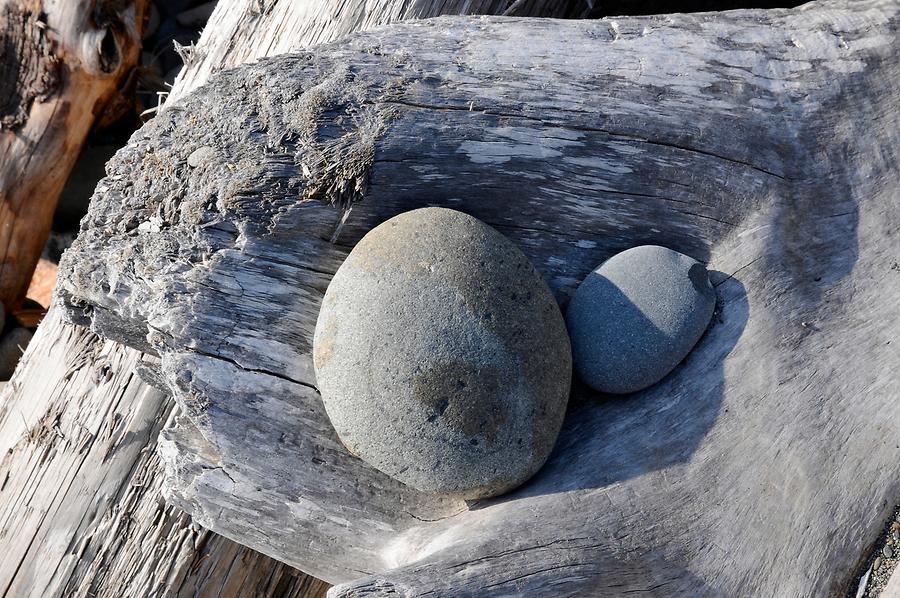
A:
(442, 356)
(633, 319)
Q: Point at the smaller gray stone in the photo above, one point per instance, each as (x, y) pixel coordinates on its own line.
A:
(633, 319)
(12, 345)
(895, 535)
(877, 564)
(888, 552)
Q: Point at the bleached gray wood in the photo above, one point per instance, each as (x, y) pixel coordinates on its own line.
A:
(763, 142)
(892, 589)
(81, 510)
(249, 30)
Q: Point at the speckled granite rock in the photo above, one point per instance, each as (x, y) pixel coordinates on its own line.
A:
(442, 356)
(637, 316)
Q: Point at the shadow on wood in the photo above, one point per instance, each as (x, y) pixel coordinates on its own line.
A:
(763, 142)
(655, 429)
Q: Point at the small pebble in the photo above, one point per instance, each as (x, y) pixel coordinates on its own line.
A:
(896, 535)
(888, 552)
(877, 564)
(201, 156)
(634, 318)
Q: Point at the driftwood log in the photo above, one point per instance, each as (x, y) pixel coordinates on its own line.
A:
(762, 142)
(61, 61)
(81, 511)
(248, 31)
(892, 589)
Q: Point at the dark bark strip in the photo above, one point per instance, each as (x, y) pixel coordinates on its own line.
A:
(29, 67)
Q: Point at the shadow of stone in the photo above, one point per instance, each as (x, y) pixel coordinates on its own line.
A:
(606, 439)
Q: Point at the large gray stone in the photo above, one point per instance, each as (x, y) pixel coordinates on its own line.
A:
(633, 319)
(442, 356)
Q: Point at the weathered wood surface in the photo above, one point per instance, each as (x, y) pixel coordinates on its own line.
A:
(892, 589)
(763, 142)
(249, 31)
(80, 481)
(81, 511)
(60, 63)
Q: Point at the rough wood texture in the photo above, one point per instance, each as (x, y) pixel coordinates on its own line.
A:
(248, 31)
(60, 62)
(892, 589)
(81, 509)
(763, 142)
(80, 506)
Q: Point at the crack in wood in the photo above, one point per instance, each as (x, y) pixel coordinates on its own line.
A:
(572, 127)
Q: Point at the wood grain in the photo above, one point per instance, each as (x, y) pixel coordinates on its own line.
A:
(892, 589)
(761, 142)
(60, 62)
(81, 510)
(249, 31)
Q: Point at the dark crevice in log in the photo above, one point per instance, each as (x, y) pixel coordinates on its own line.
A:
(595, 9)
(245, 368)
(609, 8)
